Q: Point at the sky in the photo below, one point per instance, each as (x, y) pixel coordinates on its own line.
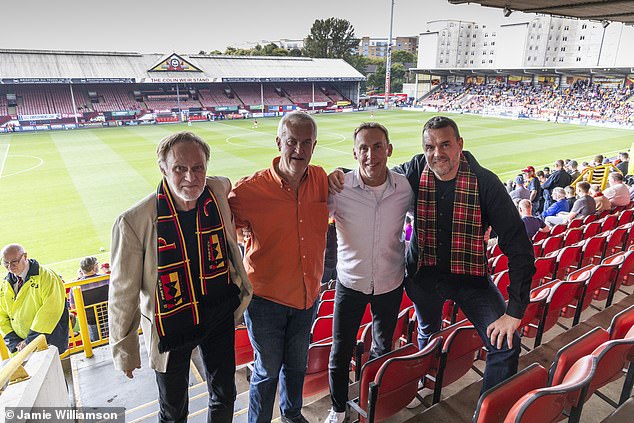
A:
(161, 26)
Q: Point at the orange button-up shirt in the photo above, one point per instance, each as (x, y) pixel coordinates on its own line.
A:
(284, 256)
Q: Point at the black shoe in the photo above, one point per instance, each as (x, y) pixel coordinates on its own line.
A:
(298, 419)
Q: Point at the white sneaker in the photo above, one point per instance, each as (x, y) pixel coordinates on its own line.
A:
(335, 417)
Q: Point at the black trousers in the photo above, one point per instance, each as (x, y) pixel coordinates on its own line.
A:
(217, 351)
(349, 308)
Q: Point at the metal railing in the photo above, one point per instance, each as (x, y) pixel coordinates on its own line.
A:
(14, 371)
(596, 175)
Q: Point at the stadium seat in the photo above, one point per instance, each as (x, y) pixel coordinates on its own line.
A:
(462, 346)
(326, 308)
(534, 313)
(243, 348)
(562, 293)
(551, 244)
(388, 383)
(570, 353)
(321, 330)
(494, 404)
(625, 217)
(616, 240)
(568, 259)
(316, 379)
(609, 222)
(573, 236)
(558, 229)
(592, 228)
(500, 263)
(328, 294)
(621, 323)
(590, 218)
(593, 250)
(575, 223)
(544, 270)
(548, 404)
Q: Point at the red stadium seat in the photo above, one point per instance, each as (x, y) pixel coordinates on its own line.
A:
(622, 323)
(609, 222)
(551, 244)
(568, 259)
(544, 270)
(243, 347)
(326, 308)
(573, 236)
(616, 240)
(494, 404)
(625, 217)
(502, 282)
(558, 229)
(328, 294)
(593, 250)
(569, 354)
(592, 228)
(321, 330)
(316, 379)
(549, 404)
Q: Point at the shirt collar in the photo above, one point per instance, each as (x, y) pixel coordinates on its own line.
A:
(276, 176)
(357, 181)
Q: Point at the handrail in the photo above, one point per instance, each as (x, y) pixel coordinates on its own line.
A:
(606, 169)
(13, 371)
(80, 282)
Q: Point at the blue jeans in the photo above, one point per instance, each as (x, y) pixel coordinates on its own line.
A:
(279, 335)
(481, 305)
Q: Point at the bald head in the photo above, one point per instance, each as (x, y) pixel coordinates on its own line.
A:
(14, 258)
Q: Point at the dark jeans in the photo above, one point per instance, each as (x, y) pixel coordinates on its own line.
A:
(482, 306)
(349, 308)
(217, 351)
(279, 335)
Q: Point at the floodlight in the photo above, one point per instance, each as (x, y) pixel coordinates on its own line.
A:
(507, 12)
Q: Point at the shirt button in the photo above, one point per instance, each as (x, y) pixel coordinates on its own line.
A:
(300, 220)
(440, 214)
(442, 198)
(302, 238)
(303, 256)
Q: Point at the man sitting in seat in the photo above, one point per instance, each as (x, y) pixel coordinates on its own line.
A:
(531, 223)
(584, 206)
(618, 194)
(89, 268)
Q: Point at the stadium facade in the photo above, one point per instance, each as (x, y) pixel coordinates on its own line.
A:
(63, 89)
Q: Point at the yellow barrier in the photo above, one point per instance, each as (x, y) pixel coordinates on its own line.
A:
(13, 371)
(596, 175)
(79, 342)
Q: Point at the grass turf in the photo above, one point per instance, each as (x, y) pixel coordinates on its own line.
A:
(62, 190)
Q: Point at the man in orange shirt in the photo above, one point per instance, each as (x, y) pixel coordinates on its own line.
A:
(285, 210)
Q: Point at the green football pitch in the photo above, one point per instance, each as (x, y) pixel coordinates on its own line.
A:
(60, 191)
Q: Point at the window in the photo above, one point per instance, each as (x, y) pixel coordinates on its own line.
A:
(584, 26)
(564, 38)
(493, 34)
(472, 44)
(579, 48)
(483, 62)
(578, 59)
(561, 59)
(471, 62)
(529, 58)
(490, 61)
(530, 48)
(583, 37)
(566, 28)
(492, 43)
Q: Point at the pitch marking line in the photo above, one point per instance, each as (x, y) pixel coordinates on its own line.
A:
(24, 170)
(4, 160)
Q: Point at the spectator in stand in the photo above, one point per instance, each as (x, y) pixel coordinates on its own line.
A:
(559, 178)
(370, 211)
(584, 206)
(105, 268)
(534, 187)
(520, 192)
(509, 185)
(584, 166)
(32, 302)
(88, 268)
(277, 205)
(618, 194)
(546, 172)
(560, 203)
(570, 196)
(602, 203)
(624, 162)
(531, 223)
(572, 170)
(598, 160)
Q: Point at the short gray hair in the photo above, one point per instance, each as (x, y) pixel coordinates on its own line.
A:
(87, 264)
(296, 118)
(370, 125)
(559, 193)
(167, 143)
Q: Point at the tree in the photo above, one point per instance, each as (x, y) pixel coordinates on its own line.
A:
(403, 56)
(331, 38)
(376, 81)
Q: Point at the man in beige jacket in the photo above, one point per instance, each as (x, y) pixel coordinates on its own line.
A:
(177, 270)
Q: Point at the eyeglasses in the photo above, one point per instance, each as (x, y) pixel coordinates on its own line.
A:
(303, 144)
(12, 262)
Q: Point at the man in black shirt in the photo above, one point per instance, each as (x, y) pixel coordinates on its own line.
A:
(456, 201)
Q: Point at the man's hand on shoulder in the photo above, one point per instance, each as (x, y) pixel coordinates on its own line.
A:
(335, 180)
(503, 327)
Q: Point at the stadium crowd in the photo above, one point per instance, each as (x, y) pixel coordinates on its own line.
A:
(581, 100)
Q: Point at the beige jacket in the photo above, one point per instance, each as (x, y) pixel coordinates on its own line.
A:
(134, 275)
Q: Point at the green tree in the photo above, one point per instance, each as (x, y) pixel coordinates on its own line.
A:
(331, 38)
(402, 56)
(376, 81)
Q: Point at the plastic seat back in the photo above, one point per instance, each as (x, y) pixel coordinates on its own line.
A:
(552, 244)
(569, 354)
(611, 357)
(593, 250)
(544, 270)
(592, 228)
(609, 222)
(316, 379)
(243, 347)
(326, 308)
(502, 282)
(534, 313)
(616, 241)
(622, 323)
(500, 264)
(625, 217)
(458, 354)
(494, 404)
(372, 367)
(568, 260)
(573, 236)
(558, 229)
(328, 294)
(396, 382)
(322, 329)
(548, 404)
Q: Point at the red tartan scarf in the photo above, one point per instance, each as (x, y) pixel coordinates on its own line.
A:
(467, 237)
(181, 290)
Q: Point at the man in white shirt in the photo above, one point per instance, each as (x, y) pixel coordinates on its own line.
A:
(370, 212)
(617, 193)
